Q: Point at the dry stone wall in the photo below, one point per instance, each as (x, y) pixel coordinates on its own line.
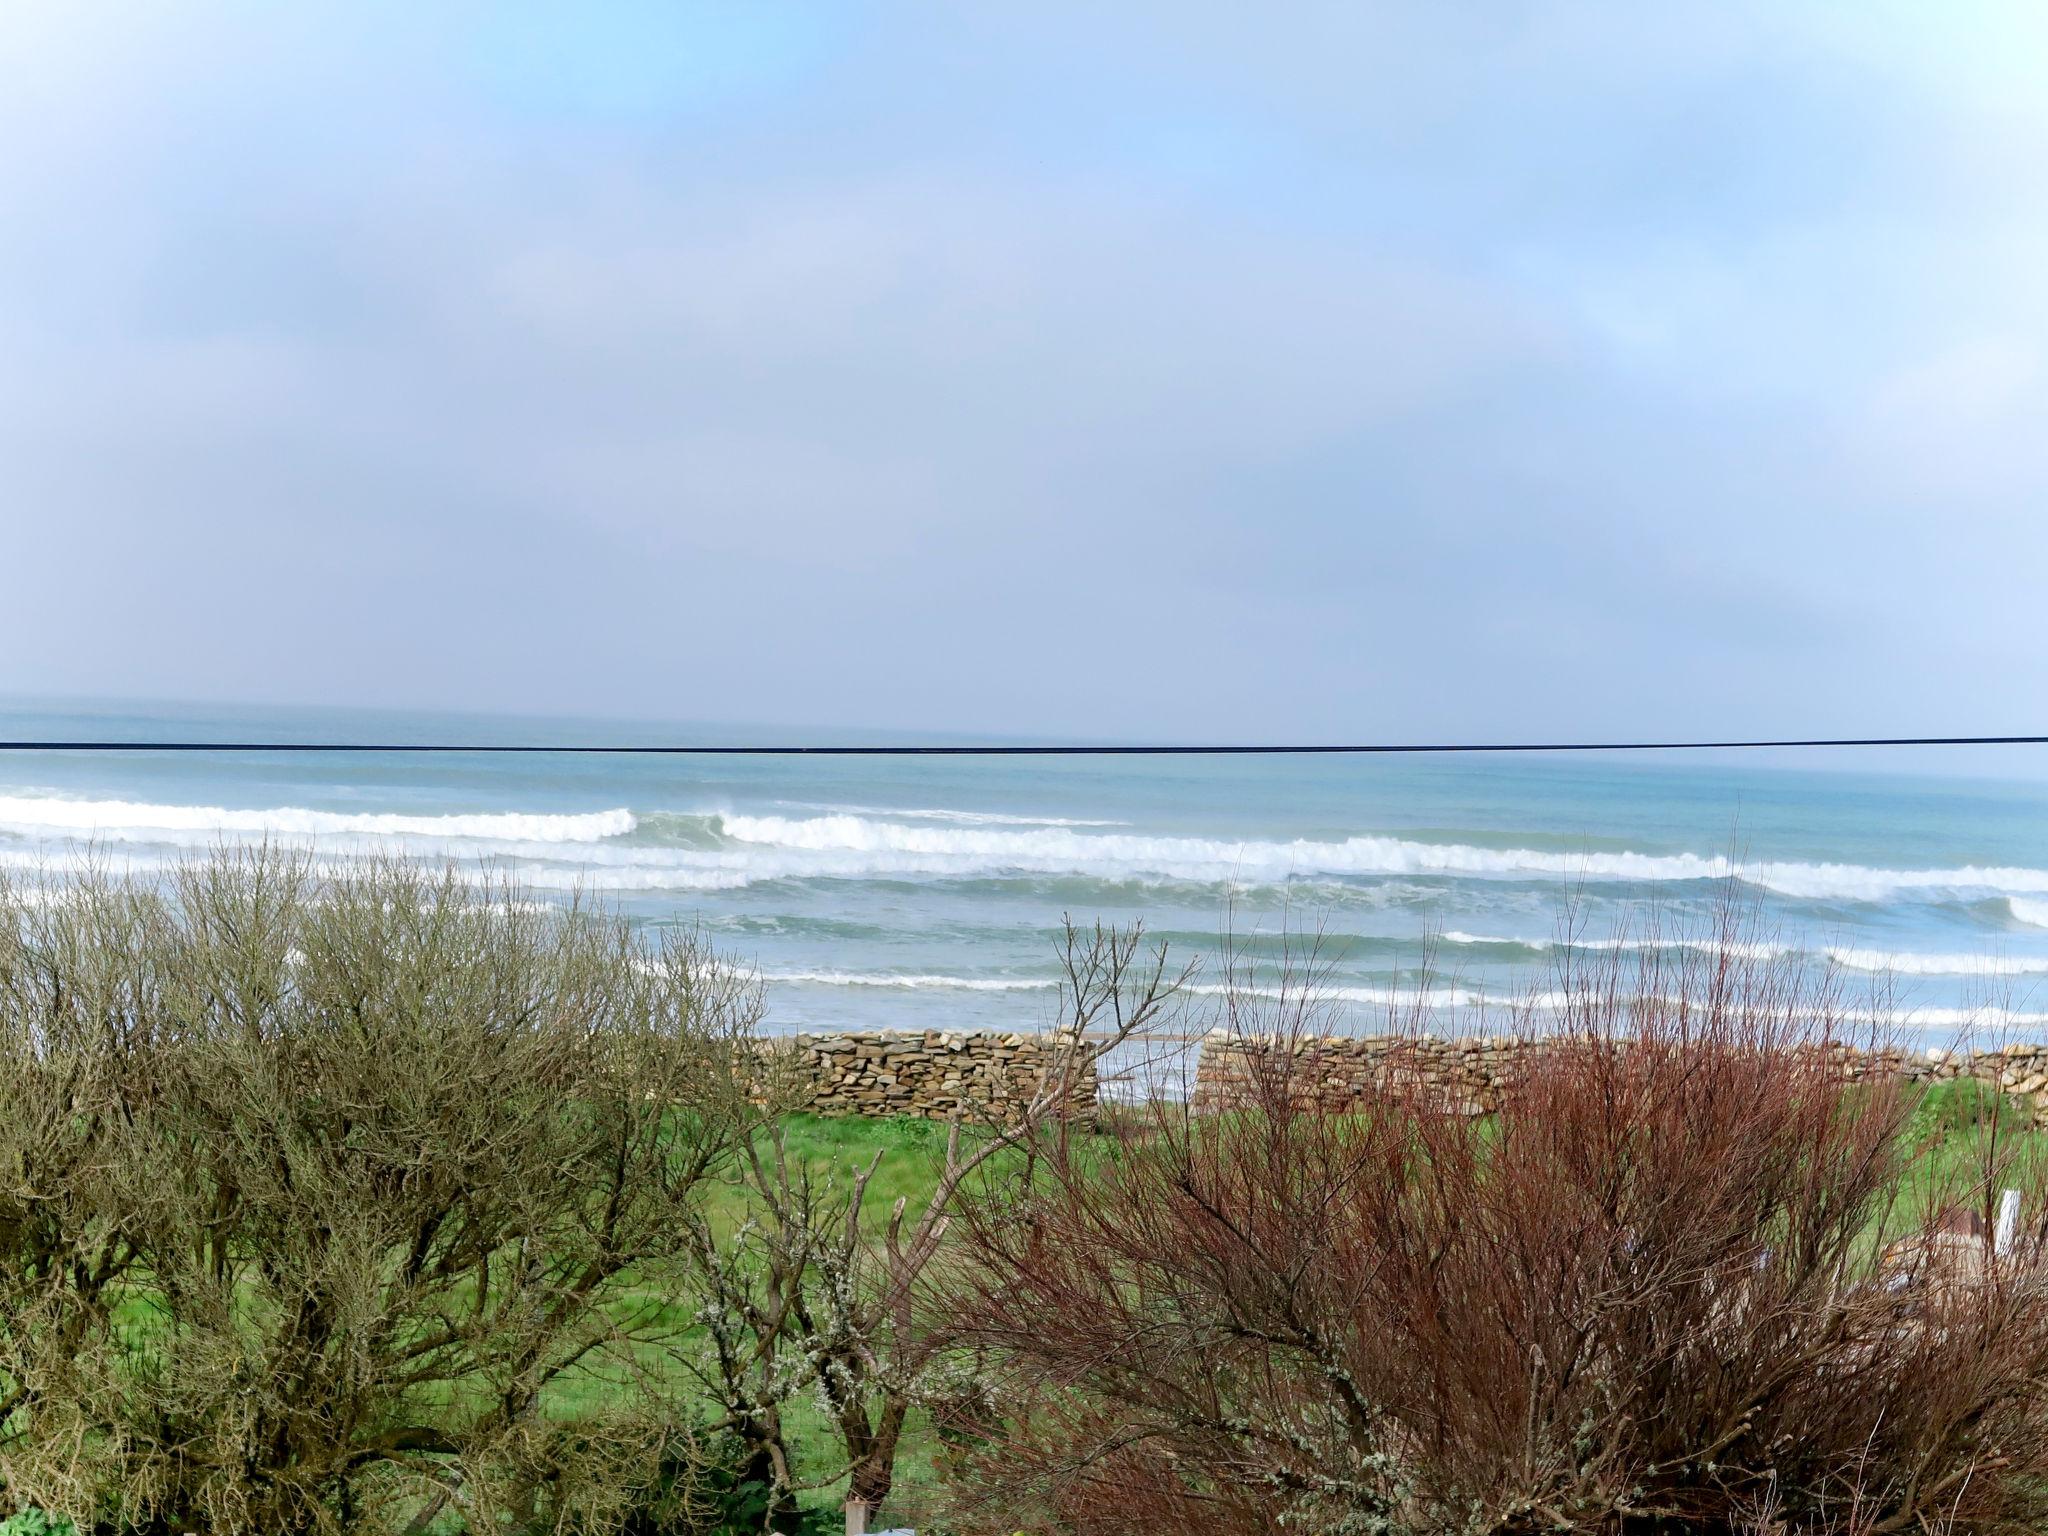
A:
(932, 1074)
(1335, 1072)
(2022, 1070)
(935, 1074)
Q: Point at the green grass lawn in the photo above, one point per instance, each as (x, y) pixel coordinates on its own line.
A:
(1952, 1126)
(1953, 1123)
(835, 1151)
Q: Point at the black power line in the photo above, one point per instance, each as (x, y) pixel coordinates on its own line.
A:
(1025, 750)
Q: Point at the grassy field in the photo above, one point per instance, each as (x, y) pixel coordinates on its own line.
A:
(911, 1153)
(1952, 1124)
(1953, 1120)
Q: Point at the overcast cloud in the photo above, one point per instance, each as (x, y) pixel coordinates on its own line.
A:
(1220, 371)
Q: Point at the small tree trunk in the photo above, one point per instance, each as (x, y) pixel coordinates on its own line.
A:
(766, 1463)
(873, 1451)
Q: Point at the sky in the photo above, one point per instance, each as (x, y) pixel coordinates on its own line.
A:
(1144, 370)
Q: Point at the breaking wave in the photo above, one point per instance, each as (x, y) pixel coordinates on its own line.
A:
(687, 850)
(1890, 962)
(138, 821)
(911, 983)
(1747, 950)
(962, 818)
(1504, 1004)
(1939, 965)
(895, 847)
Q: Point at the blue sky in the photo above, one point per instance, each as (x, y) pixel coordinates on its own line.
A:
(1282, 371)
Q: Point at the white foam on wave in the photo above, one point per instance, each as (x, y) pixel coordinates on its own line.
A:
(1734, 948)
(140, 821)
(1986, 1020)
(1989, 1019)
(962, 818)
(567, 879)
(1938, 965)
(911, 983)
(1980, 1019)
(1385, 997)
(948, 845)
(1890, 962)
(659, 877)
(1060, 850)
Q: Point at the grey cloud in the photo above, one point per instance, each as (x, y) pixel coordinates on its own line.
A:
(1362, 371)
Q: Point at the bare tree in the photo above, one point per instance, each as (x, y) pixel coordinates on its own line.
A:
(384, 1164)
(81, 1032)
(811, 1295)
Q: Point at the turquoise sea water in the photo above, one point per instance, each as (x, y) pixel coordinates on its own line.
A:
(928, 892)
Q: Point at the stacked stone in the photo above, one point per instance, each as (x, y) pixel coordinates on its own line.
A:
(1935, 1065)
(1336, 1072)
(2021, 1071)
(935, 1074)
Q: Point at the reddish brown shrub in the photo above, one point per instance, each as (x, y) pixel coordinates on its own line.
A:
(1651, 1293)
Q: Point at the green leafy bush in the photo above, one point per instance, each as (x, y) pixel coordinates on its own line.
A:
(36, 1522)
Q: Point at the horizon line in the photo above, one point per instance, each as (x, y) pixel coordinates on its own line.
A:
(1050, 749)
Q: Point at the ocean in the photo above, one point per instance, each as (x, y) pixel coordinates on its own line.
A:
(929, 892)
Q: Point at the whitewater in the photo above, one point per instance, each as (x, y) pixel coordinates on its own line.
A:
(741, 849)
(931, 891)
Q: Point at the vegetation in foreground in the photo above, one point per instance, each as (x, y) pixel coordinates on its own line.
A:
(382, 1202)
(386, 1203)
(1681, 1281)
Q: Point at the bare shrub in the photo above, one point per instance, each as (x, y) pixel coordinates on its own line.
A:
(339, 1193)
(811, 1297)
(1650, 1293)
(79, 1043)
